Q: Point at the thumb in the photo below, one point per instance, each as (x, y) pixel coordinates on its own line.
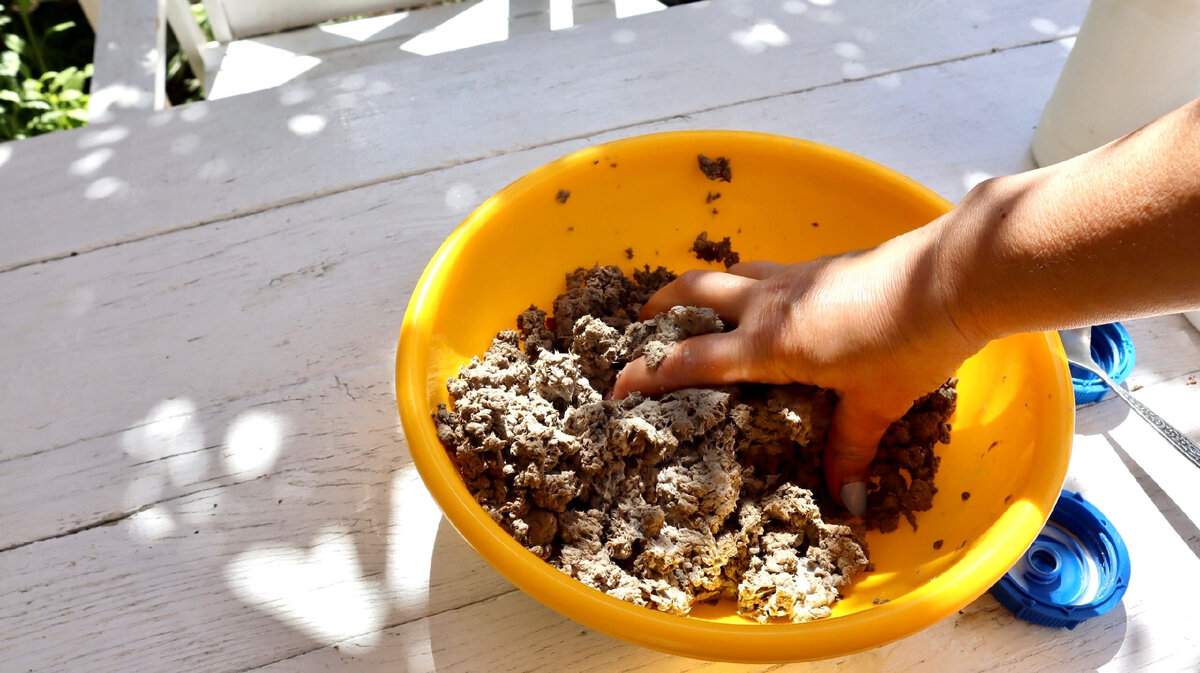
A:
(859, 422)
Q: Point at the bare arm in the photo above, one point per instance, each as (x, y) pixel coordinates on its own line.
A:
(1113, 234)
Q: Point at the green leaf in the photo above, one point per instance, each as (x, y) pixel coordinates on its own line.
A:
(71, 95)
(50, 117)
(10, 64)
(37, 104)
(10, 96)
(14, 42)
(58, 28)
(75, 82)
(79, 114)
(62, 78)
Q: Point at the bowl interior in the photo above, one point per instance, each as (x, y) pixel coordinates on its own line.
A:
(788, 201)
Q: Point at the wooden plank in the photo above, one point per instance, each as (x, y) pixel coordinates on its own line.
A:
(399, 26)
(167, 300)
(294, 57)
(513, 633)
(130, 59)
(354, 547)
(212, 315)
(207, 161)
(256, 18)
(234, 578)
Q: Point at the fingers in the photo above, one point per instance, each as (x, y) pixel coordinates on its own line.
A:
(722, 292)
(705, 360)
(858, 424)
(756, 270)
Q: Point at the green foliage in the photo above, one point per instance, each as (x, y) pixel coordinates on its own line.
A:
(45, 68)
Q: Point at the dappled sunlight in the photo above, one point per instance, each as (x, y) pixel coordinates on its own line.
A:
(848, 50)
(193, 112)
(759, 37)
(81, 300)
(414, 525)
(362, 30)
(562, 14)
(854, 70)
(864, 34)
(252, 65)
(795, 6)
(154, 523)
(1044, 26)
(461, 196)
(831, 17)
(319, 591)
(352, 82)
(306, 124)
(972, 178)
(106, 135)
(213, 169)
(90, 162)
(253, 443)
(295, 95)
(624, 36)
(892, 80)
(104, 187)
(167, 448)
(117, 96)
(479, 24)
(627, 8)
(185, 144)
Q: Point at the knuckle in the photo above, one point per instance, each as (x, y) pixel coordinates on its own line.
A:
(690, 280)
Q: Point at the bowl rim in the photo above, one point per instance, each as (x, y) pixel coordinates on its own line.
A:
(773, 642)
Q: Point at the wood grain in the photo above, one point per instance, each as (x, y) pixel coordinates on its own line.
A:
(202, 468)
(199, 163)
(236, 310)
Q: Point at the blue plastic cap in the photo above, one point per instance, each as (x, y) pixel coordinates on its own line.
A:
(1076, 569)
(1113, 349)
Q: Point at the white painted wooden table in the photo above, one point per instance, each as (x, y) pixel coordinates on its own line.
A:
(201, 467)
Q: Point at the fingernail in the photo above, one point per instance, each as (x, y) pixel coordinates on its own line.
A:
(854, 497)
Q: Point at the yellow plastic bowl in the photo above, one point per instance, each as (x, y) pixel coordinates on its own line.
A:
(789, 201)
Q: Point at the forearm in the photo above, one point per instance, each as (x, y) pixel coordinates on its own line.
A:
(1113, 234)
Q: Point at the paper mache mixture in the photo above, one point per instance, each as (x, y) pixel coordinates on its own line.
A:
(692, 496)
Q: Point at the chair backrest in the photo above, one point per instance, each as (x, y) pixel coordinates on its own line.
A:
(236, 19)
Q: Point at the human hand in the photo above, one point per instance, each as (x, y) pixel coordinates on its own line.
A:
(874, 325)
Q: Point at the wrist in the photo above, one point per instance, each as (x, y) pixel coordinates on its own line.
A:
(925, 296)
(974, 253)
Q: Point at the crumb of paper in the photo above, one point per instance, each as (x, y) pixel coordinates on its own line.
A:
(697, 495)
(715, 251)
(715, 169)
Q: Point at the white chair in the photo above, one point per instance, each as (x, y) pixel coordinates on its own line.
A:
(261, 44)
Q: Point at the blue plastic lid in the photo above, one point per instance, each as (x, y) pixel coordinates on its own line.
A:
(1077, 568)
(1113, 349)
